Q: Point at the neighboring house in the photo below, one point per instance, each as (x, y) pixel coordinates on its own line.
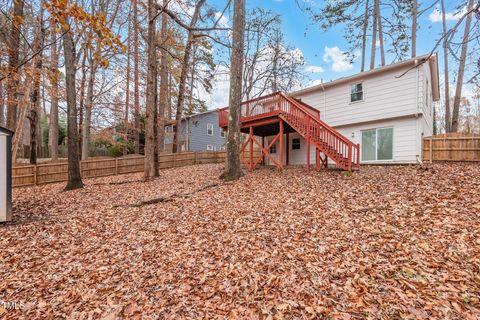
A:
(387, 110)
(198, 132)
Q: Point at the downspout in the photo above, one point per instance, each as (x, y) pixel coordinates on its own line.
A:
(418, 158)
(324, 100)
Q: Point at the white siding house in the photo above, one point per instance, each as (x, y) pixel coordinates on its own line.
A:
(386, 110)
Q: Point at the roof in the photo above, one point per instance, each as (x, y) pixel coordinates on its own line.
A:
(413, 62)
(173, 121)
(6, 131)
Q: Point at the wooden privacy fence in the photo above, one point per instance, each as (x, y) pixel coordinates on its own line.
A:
(451, 147)
(29, 175)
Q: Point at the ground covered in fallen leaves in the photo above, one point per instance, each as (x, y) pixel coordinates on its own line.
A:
(397, 242)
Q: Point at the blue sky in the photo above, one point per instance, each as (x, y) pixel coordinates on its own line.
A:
(322, 50)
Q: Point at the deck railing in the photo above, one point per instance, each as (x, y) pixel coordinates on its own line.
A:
(305, 120)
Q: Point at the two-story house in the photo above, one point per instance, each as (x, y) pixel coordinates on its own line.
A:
(198, 132)
(387, 111)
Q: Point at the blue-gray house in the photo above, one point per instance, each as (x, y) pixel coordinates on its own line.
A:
(198, 132)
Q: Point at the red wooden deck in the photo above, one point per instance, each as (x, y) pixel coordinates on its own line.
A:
(277, 114)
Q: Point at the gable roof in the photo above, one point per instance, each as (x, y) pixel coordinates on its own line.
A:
(413, 62)
(6, 131)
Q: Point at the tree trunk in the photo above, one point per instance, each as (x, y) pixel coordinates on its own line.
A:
(14, 78)
(448, 121)
(87, 113)
(163, 97)
(461, 70)
(150, 168)
(380, 33)
(364, 35)
(74, 177)
(374, 36)
(233, 169)
(136, 91)
(414, 27)
(54, 77)
(127, 93)
(81, 103)
(35, 98)
(183, 75)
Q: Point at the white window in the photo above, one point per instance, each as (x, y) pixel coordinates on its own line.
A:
(210, 147)
(209, 129)
(273, 148)
(222, 133)
(295, 144)
(356, 93)
(377, 144)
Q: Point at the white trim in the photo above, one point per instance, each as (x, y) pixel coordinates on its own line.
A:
(363, 92)
(209, 128)
(376, 144)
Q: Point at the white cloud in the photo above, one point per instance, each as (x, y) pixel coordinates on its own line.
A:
(314, 69)
(338, 59)
(436, 15)
(223, 22)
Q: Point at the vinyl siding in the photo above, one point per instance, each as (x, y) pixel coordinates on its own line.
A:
(198, 139)
(384, 96)
(406, 146)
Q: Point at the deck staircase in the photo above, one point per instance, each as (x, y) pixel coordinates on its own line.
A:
(305, 120)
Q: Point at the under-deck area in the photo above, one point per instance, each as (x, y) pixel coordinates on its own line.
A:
(270, 120)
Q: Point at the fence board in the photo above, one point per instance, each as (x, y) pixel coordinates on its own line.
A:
(28, 175)
(451, 147)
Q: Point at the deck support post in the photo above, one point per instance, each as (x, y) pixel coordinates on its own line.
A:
(263, 147)
(287, 136)
(280, 157)
(308, 145)
(251, 149)
(317, 160)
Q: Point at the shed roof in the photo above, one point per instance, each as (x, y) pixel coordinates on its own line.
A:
(6, 131)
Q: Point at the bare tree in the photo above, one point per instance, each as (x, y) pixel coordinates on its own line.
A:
(184, 73)
(380, 32)
(151, 170)
(35, 98)
(374, 36)
(163, 94)
(13, 61)
(127, 91)
(448, 120)
(136, 85)
(364, 35)
(54, 78)
(461, 70)
(74, 177)
(414, 27)
(233, 169)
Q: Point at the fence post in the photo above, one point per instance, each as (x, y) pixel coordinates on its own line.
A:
(35, 175)
(173, 164)
(431, 150)
(116, 166)
(195, 157)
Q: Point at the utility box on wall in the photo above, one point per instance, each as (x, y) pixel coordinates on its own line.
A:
(5, 174)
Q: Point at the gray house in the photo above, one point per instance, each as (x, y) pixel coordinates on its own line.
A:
(198, 132)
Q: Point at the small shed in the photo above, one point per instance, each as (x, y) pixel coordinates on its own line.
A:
(5, 174)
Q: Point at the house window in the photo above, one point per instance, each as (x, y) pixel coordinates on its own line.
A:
(296, 144)
(273, 148)
(356, 93)
(377, 144)
(210, 129)
(210, 147)
(222, 133)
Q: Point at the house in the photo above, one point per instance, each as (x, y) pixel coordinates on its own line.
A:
(373, 117)
(198, 132)
(5, 174)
